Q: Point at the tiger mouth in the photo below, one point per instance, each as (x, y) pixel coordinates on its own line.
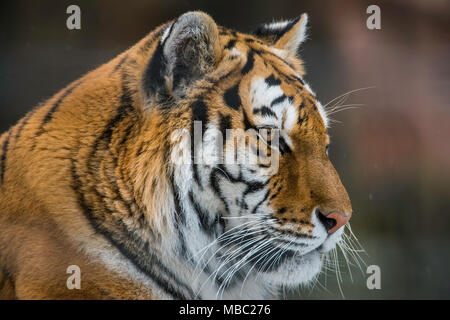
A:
(279, 255)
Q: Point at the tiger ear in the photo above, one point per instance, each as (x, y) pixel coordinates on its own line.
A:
(189, 48)
(287, 35)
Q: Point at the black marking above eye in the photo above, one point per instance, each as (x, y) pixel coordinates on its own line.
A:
(253, 187)
(272, 81)
(278, 100)
(265, 111)
(300, 80)
(232, 98)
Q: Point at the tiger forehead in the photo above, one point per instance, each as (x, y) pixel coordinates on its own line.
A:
(267, 83)
(276, 96)
(250, 46)
(259, 57)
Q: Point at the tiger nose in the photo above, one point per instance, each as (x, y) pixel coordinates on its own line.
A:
(333, 220)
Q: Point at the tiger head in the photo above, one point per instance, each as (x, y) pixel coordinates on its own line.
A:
(242, 219)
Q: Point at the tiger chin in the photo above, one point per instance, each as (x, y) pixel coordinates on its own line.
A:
(95, 177)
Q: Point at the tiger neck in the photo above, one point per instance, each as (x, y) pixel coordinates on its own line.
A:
(152, 214)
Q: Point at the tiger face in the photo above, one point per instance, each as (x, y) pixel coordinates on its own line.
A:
(272, 220)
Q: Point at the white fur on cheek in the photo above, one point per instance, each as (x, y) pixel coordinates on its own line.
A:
(300, 269)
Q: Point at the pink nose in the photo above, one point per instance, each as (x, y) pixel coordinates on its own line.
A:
(340, 219)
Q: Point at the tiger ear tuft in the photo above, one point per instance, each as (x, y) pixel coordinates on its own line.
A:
(287, 35)
(189, 48)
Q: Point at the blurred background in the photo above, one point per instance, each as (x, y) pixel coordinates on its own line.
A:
(393, 153)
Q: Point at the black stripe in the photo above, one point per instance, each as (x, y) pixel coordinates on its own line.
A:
(243, 204)
(225, 123)
(272, 81)
(275, 34)
(151, 260)
(291, 99)
(55, 106)
(247, 124)
(142, 258)
(261, 202)
(214, 181)
(290, 232)
(202, 215)
(301, 120)
(133, 121)
(106, 135)
(230, 44)
(278, 100)
(125, 110)
(23, 123)
(153, 78)
(286, 241)
(253, 187)
(3, 157)
(283, 146)
(250, 62)
(180, 217)
(196, 175)
(180, 220)
(228, 174)
(119, 64)
(232, 98)
(199, 113)
(299, 79)
(265, 111)
(273, 196)
(262, 52)
(169, 33)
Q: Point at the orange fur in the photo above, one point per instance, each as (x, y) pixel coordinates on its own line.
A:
(99, 144)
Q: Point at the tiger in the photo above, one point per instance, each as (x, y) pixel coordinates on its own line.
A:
(94, 178)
